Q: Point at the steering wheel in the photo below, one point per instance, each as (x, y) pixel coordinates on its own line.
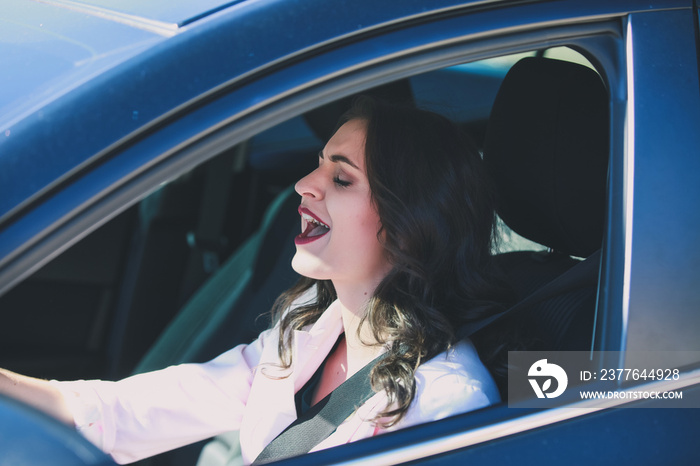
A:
(29, 437)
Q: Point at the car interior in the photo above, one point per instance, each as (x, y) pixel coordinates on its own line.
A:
(190, 270)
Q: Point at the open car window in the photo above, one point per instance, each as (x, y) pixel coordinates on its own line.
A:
(96, 310)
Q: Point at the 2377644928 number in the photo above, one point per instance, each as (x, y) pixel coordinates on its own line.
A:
(639, 374)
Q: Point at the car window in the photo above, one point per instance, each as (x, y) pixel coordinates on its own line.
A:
(147, 254)
(99, 308)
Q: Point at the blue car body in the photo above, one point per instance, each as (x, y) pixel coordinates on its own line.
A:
(104, 101)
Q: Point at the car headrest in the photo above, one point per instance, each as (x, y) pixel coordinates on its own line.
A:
(547, 150)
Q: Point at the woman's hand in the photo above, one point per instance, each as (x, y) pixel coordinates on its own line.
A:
(37, 393)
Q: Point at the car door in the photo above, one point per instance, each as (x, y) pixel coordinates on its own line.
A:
(643, 260)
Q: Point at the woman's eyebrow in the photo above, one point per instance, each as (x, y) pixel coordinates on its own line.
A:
(340, 158)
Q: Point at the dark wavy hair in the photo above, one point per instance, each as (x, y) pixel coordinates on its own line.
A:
(436, 207)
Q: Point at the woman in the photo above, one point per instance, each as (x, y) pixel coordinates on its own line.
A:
(396, 231)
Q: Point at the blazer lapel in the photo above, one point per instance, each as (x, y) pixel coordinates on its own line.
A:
(270, 407)
(311, 347)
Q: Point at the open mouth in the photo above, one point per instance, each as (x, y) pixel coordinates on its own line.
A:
(313, 227)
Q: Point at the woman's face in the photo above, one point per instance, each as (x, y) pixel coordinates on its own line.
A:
(339, 224)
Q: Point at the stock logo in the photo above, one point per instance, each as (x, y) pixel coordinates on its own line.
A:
(542, 370)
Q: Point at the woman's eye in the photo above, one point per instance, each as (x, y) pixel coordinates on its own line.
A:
(341, 183)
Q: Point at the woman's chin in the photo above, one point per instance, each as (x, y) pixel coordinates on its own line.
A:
(310, 266)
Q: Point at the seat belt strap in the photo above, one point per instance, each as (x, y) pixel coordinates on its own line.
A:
(583, 274)
(322, 419)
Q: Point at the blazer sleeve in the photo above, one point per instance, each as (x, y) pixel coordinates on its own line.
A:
(150, 413)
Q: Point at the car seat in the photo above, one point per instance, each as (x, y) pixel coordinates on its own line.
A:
(546, 149)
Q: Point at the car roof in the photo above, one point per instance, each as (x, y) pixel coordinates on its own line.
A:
(177, 12)
(52, 47)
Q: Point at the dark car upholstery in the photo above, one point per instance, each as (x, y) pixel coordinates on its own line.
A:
(225, 310)
(547, 150)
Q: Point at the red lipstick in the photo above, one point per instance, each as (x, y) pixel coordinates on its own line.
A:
(314, 227)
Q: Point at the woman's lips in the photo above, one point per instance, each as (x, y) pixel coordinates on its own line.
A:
(314, 227)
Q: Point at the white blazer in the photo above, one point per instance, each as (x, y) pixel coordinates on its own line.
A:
(242, 389)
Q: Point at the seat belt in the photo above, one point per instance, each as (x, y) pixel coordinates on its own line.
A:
(583, 274)
(323, 418)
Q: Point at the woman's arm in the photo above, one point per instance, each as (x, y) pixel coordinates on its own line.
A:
(37, 393)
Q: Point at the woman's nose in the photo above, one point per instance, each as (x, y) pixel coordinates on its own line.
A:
(309, 186)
